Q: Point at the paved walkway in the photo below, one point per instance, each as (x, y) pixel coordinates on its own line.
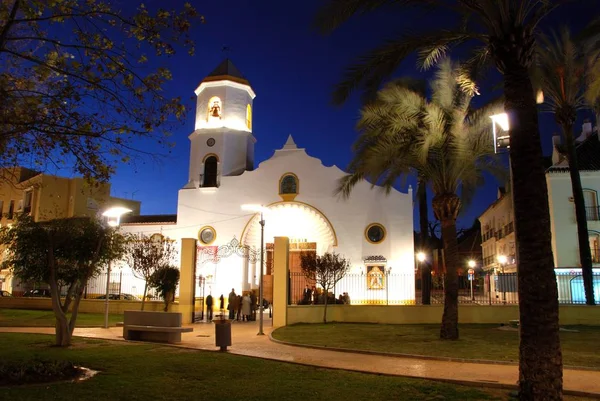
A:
(246, 342)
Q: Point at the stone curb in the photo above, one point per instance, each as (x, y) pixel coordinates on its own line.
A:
(412, 356)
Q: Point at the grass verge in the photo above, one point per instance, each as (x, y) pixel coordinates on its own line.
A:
(43, 318)
(580, 348)
(149, 371)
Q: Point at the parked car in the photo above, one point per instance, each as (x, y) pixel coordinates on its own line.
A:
(5, 294)
(120, 297)
(38, 293)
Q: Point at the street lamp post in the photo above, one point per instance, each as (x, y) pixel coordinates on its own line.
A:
(472, 276)
(502, 259)
(113, 216)
(260, 208)
(425, 280)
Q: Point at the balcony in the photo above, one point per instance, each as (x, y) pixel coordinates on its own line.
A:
(592, 213)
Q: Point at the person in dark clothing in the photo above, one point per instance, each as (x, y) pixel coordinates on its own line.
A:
(221, 303)
(253, 300)
(209, 307)
(231, 304)
(306, 296)
(238, 308)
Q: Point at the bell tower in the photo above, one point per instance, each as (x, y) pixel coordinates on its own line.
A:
(222, 143)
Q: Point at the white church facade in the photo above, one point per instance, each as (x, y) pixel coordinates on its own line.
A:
(371, 229)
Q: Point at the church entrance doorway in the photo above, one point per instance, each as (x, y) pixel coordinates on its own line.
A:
(297, 280)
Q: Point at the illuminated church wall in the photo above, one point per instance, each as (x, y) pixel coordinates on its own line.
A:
(314, 204)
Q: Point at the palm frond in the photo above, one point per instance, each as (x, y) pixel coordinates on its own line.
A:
(371, 69)
(442, 140)
(560, 65)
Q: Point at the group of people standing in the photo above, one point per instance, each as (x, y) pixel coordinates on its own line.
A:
(240, 307)
(312, 296)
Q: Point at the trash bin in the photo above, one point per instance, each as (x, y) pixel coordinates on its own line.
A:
(222, 333)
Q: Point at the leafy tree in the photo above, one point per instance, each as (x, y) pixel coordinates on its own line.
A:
(445, 140)
(165, 280)
(146, 254)
(561, 66)
(65, 253)
(326, 270)
(500, 33)
(76, 81)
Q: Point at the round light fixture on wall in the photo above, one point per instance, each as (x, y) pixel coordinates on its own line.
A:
(207, 235)
(375, 233)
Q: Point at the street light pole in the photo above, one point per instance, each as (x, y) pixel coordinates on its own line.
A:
(471, 273)
(107, 292)
(116, 213)
(260, 289)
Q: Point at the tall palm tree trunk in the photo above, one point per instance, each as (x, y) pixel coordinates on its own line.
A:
(540, 358)
(446, 207)
(424, 227)
(585, 254)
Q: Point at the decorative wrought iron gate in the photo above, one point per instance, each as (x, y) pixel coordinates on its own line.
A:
(214, 254)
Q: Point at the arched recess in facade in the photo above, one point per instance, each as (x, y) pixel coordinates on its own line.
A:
(298, 221)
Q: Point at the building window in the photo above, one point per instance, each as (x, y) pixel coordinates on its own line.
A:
(375, 233)
(207, 235)
(28, 202)
(288, 186)
(591, 205)
(210, 172)
(215, 109)
(11, 210)
(594, 239)
(249, 117)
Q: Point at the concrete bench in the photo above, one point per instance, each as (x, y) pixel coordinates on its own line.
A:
(153, 326)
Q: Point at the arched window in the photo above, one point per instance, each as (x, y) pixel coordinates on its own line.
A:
(215, 109)
(210, 172)
(288, 186)
(249, 117)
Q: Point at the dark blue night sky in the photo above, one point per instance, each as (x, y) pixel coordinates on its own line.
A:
(292, 70)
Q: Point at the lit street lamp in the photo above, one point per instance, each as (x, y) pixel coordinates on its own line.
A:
(472, 264)
(421, 257)
(113, 216)
(261, 209)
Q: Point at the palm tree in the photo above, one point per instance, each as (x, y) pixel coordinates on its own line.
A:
(561, 69)
(424, 237)
(446, 142)
(500, 33)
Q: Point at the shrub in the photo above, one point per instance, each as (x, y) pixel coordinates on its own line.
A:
(165, 280)
(36, 371)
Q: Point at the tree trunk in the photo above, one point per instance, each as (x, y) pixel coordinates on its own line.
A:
(325, 309)
(424, 227)
(145, 290)
(446, 208)
(585, 254)
(63, 334)
(540, 358)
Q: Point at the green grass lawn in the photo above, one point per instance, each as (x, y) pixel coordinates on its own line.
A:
(42, 318)
(580, 348)
(155, 372)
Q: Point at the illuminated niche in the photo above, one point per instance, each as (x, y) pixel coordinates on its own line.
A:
(215, 109)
